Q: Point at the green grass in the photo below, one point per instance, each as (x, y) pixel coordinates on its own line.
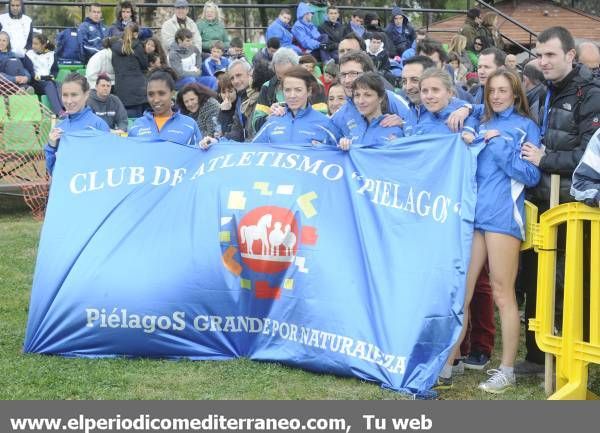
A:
(49, 377)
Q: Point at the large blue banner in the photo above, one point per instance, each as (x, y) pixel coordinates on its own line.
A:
(351, 263)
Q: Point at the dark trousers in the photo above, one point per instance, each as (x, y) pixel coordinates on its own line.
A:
(481, 328)
(48, 88)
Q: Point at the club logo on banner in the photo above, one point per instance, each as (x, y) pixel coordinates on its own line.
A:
(261, 243)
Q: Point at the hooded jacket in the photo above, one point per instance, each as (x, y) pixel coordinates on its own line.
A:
(306, 34)
(111, 110)
(351, 124)
(178, 129)
(380, 58)
(187, 62)
(89, 36)
(130, 78)
(211, 31)
(74, 122)
(573, 118)
(307, 127)
(20, 30)
(502, 174)
(403, 36)
(280, 30)
(586, 178)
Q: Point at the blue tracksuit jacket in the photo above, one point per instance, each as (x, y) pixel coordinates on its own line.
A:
(278, 29)
(435, 123)
(376, 135)
(83, 119)
(210, 67)
(307, 127)
(502, 174)
(89, 36)
(179, 129)
(307, 34)
(350, 123)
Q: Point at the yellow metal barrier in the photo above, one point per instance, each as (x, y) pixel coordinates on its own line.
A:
(572, 353)
(531, 225)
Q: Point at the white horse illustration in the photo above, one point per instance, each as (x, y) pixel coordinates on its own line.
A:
(258, 232)
(289, 240)
(276, 238)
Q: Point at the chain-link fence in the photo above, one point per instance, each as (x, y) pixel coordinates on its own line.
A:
(24, 128)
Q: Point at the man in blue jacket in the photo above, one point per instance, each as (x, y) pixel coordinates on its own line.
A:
(305, 32)
(91, 32)
(280, 29)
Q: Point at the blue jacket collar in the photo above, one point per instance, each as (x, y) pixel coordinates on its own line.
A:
(302, 112)
(79, 114)
(506, 113)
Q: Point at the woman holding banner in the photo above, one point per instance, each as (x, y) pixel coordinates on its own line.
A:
(162, 121)
(295, 121)
(437, 91)
(74, 94)
(368, 95)
(502, 175)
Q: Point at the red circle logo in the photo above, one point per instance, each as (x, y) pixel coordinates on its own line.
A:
(268, 237)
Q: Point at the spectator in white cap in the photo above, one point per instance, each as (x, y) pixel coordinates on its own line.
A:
(179, 20)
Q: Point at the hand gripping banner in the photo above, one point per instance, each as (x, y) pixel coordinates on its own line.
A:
(352, 263)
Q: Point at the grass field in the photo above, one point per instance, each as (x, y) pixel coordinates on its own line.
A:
(48, 377)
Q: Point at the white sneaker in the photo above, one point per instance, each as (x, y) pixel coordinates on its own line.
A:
(498, 382)
(458, 367)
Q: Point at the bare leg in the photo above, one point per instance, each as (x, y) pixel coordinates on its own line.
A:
(478, 259)
(503, 253)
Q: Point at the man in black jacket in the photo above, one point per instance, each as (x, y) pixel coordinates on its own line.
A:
(333, 29)
(569, 116)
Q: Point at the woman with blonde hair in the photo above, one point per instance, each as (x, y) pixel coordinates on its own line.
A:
(130, 63)
(211, 27)
(458, 45)
(437, 97)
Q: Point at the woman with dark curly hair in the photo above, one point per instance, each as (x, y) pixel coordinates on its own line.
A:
(201, 104)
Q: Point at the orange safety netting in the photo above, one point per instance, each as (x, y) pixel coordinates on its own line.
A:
(24, 128)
